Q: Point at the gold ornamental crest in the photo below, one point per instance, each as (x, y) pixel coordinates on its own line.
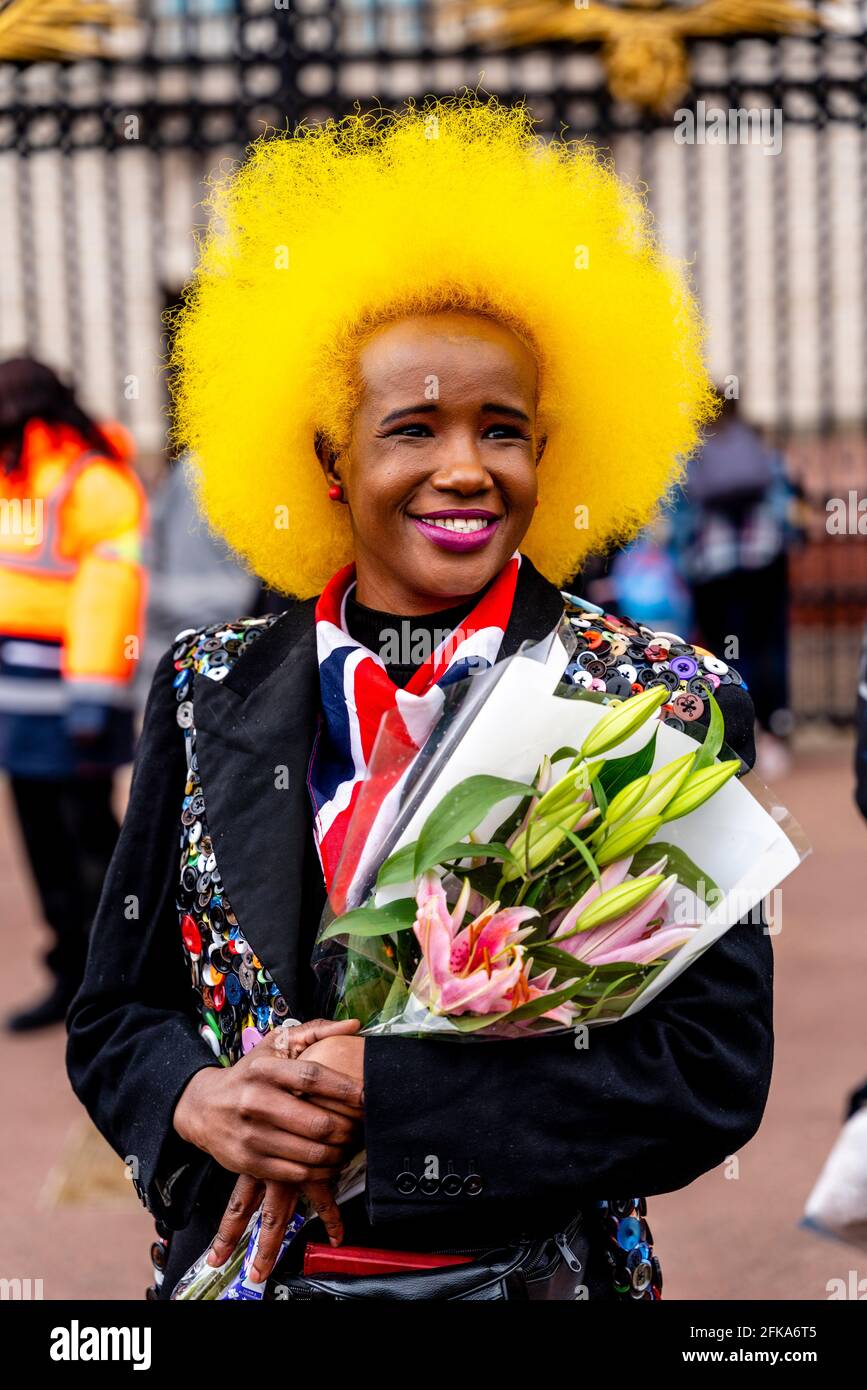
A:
(643, 42)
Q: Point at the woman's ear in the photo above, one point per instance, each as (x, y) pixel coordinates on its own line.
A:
(328, 458)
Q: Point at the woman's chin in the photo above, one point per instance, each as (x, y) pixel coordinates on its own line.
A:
(452, 575)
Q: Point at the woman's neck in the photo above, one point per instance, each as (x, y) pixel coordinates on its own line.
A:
(382, 597)
(402, 641)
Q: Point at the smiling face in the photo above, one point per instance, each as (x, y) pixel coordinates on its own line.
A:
(440, 471)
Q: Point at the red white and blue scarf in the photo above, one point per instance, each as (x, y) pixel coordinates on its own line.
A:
(357, 693)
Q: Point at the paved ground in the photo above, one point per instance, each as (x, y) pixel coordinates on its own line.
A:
(68, 1218)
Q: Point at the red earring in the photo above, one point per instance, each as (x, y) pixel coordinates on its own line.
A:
(336, 493)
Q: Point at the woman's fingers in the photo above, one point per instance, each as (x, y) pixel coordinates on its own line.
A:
(279, 1137)
(277, 1209)
(285, 1170)
(278, 1206)
(312, 1079)
(291, 1042)
(322, 1130)
(320, 1196)
(242, 1203)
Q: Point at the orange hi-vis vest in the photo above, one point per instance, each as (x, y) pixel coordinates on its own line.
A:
(72, 525)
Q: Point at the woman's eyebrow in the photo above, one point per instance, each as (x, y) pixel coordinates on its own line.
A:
(427, 409)
(512, 410)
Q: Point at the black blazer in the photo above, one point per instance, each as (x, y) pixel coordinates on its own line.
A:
(650, 1104)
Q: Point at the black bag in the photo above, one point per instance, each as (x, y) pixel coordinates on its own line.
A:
(550, 1267)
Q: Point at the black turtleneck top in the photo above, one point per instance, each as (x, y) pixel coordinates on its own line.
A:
(403, 643)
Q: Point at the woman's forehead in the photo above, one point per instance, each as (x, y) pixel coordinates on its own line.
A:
(455, 348)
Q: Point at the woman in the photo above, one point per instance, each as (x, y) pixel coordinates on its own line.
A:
(479, 343)
(71, 589)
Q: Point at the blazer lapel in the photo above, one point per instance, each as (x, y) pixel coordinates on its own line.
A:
(537, 608)
(254, 733)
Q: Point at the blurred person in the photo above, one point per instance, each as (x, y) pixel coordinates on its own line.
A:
(837, 1204)
(733, 529)
(194, 579)
(861, 732)
(72, 516)
(646, 583)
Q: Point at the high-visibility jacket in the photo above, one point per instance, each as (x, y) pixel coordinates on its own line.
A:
(72, 586)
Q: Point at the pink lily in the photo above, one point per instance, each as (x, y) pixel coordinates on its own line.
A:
(636, 937)
(609, 878)
(480, 968)
(561, 1013)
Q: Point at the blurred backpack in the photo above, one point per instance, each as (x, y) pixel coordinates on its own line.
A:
(732, 472)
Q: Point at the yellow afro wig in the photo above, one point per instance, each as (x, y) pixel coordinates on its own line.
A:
(328, 232)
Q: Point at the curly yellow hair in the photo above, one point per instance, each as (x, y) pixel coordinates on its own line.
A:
(326, 233)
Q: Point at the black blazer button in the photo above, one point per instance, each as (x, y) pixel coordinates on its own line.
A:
(429, 1186)
(472, 1185)
(406, 1183)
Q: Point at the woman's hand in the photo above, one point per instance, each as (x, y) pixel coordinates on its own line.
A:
(279, 1115)
(278, 1201)
(335, 1047)
(341, 1052)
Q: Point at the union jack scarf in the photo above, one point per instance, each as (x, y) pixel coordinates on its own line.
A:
(357, 693)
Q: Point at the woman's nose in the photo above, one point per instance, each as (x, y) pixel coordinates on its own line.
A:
(463, 472)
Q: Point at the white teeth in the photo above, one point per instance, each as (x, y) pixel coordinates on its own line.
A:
(457, 523)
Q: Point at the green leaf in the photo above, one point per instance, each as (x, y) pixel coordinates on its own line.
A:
(566, 887)
(396, 1000)
(471, 851)
(548, 954)
(485, 879)
(506, 828)
(713, 738)
(397, 868)
(374, 921)
(562, 753)
(534, 1007)
(459, 813)
(599, 797)
(677, 862)
(531, 897)
(617, 1001)
(619, 772)
(583, 851)
(629, 975)
(472, 1023)
(366, 986)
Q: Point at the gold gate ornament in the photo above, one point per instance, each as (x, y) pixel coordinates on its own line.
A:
(643, 42)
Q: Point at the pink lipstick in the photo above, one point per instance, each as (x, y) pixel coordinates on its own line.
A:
(458, 529)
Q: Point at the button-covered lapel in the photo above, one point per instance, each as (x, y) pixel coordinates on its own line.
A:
(254, 733)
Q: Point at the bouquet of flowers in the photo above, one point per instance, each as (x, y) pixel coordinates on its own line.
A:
(567, 893)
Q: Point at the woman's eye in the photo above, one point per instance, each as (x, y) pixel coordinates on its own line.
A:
(420, 431)
(505, 432)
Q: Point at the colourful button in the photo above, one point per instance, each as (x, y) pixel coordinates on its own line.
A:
(190, 935)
